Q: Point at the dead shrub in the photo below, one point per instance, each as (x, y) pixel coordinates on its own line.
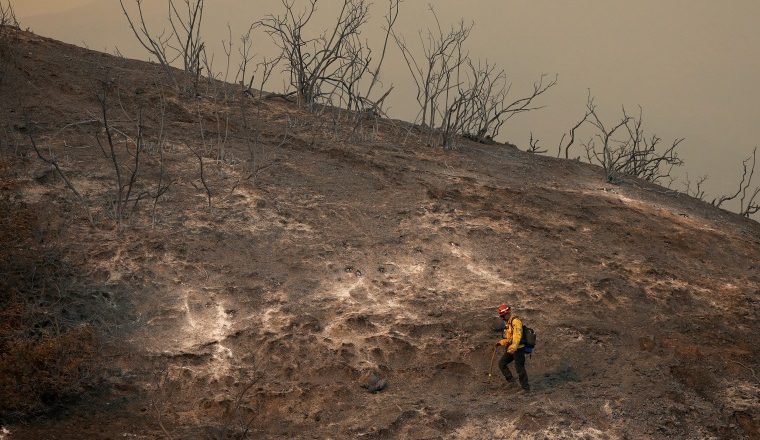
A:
(9, 25)
(48, 349)
(8, 15)
(41, 374)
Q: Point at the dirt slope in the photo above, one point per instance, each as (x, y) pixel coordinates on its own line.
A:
(364, 249)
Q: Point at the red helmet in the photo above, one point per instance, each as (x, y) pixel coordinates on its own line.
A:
(504, 310)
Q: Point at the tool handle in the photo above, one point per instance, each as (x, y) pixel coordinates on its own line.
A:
(490, 368)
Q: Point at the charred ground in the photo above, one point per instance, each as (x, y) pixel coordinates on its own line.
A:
(350, 248)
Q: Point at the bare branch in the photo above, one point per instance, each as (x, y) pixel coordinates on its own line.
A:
(199, 156)
(156, 45)
(54, 163)
(470, 98)
(328, 69)
(572, 131)
(186, 26)
(534, 148)
(697, 192)
(624, 149)
(749, 203)
(8, 16)
(119, 214)
(390, 19)
(184, 39)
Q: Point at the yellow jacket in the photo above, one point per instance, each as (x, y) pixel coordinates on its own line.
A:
(512, 334)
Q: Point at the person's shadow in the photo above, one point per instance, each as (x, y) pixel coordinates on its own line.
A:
(551, 379)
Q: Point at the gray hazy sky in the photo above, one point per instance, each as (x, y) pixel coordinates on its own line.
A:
(693, 65)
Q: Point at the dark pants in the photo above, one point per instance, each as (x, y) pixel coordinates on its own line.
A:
(519, 358)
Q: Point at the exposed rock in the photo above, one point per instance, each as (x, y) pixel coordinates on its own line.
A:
(371, 381)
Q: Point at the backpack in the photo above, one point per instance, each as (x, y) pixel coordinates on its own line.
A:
(528, 338)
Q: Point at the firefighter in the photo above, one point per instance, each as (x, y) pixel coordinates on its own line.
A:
(513, 332)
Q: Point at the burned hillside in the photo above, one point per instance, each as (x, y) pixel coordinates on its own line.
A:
(229, 265)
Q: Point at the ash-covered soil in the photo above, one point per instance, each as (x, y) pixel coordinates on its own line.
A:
(356, 249)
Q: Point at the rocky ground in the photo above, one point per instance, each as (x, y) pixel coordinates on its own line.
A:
(334, 250)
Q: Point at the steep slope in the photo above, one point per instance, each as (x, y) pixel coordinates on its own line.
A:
(358, 248)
